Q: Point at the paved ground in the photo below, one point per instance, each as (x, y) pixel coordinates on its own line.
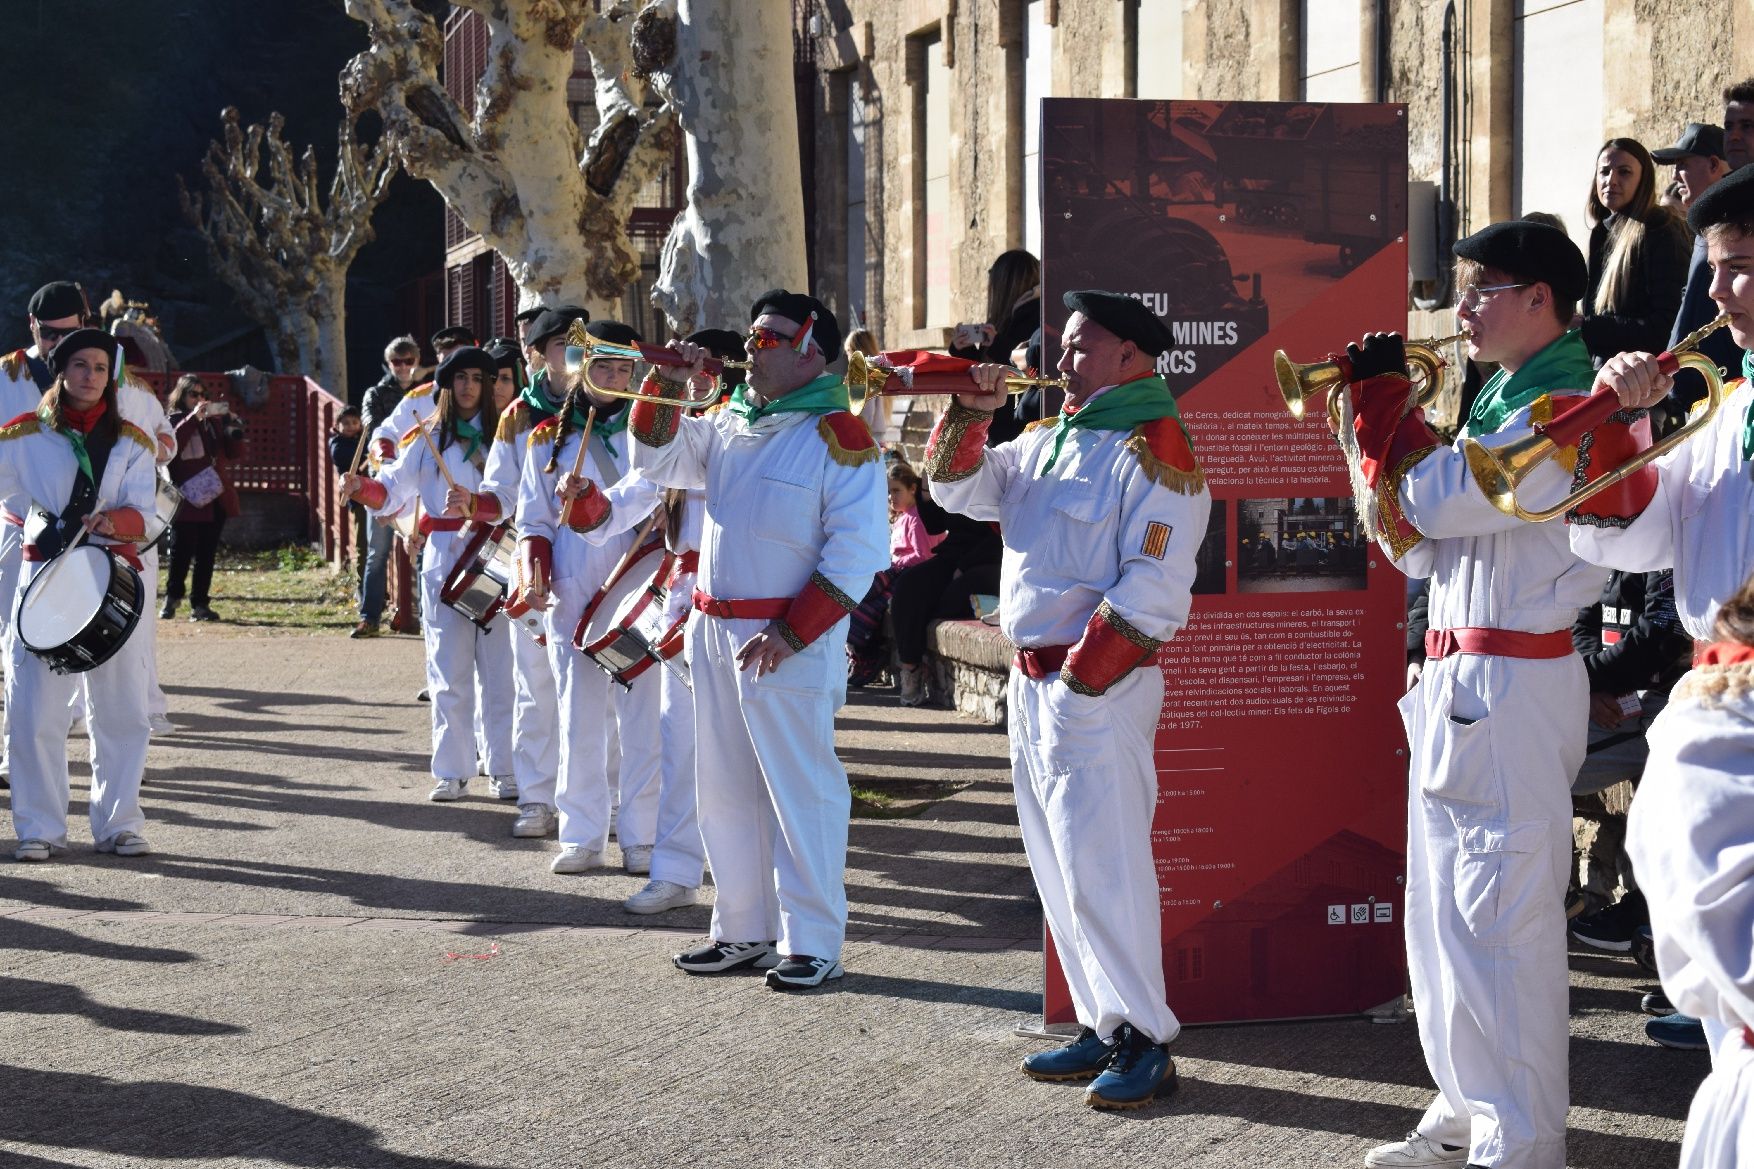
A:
(318, 968)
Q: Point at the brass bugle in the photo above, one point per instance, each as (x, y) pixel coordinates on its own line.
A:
(582, 350)
(1500, 471)
(866, 381)
(1299, 383)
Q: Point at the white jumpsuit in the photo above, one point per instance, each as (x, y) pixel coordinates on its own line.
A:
(1084, 768)
(580, 568)
(38, 465)
(457, 650)
(772, 796)
(1691, 838)
(677, 853)
(142, 407)
(1495, 741)
(535, 713)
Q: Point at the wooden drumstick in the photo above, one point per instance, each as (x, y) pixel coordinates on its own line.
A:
(578, 461)
(626, 561)
(426, 433)
(359, 451)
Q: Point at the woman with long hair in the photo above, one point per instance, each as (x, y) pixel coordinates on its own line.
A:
(1013, 316)
(206, 432)
(1638, 256)
(89, 476)
(462, 425)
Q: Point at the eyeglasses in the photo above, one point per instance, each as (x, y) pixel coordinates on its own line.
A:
(50, 334)
(1475, 293)
(402, 361)
(764, 338)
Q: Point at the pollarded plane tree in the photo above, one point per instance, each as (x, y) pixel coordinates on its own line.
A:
(282, 248)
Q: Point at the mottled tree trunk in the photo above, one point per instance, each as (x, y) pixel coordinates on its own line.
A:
(742, 232)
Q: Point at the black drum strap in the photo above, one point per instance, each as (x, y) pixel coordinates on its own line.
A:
(58, 532)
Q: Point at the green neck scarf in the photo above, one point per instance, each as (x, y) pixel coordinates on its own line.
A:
(824, 395)
(535, 396)
(1748, 418)
(470, 433)
(1563, 365)
(76, 439)
(1121, 407)
(608, 428)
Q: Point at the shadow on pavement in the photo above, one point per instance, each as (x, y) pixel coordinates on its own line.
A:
(922, 990)
(32, 935)
(159, 1119)
(29, 996)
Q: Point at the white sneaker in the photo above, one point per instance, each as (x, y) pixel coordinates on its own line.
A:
(161, 725)
(576, 858)
(33, 850)
(636, 859)
(502, 787)
(448, 789)
(535, 820)
(658, 896)
(1417, 1149)
(125, 844)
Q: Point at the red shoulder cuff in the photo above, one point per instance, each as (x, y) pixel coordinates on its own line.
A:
(484, 507)
(1109, 650)
(814, 611)
(128, 523)
(958, 444)
(587, 512)
(535, 562)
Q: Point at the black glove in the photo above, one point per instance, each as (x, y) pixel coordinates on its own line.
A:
(1381, 353)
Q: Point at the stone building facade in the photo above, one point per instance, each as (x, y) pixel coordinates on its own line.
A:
(921, 133)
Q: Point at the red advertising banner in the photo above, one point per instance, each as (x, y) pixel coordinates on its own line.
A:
(1280, 833)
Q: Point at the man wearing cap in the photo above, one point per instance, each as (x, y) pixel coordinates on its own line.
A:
(1497, 721)
(1102, 511)
(560, 570)
(1691, 510)
(795, 531)
(1700, 160)
(81, 466)
(535, 713)
(451, 338)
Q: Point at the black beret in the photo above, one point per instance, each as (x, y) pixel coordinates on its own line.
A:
(1124, 316)
(455, 334)
(1530, 251)
(466, 357)
(83, 339)
(553, 321)
(530, 313)
(718, 342)
(797, 306)
(506, 353)
(1729, 200)
(614, 332)
(57, 299)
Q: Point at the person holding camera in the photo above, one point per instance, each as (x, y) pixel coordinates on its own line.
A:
(207, 432)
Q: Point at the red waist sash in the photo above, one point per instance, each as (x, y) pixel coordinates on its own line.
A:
(1503, 643)
(758, 609)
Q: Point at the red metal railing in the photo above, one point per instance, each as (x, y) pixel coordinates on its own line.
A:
(287, 453)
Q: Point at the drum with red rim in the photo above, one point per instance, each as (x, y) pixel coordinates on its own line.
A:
(628, 625)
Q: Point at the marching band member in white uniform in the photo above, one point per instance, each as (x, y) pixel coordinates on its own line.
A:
(796, 528)
(141, 406)
(456, 648)
(79, 464)
(1497, 722)
(535, 711)
(1690, 829)
(1691, 838)
(560, 571)
(1102, 515)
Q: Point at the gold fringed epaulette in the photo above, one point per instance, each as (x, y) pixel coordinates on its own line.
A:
(514, 422)
(22, 425)
(546, 431)
(1541, 413)
(1041, 422)
(1164, 454)
(129, 430)
(14, 363)
(849, 440)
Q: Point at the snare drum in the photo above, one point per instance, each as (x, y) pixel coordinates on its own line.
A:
(625, 625)
(477, 586)
(76, 613)
(164, 510)
(502, 564)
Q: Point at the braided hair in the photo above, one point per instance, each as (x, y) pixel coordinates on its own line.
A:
(574, 393)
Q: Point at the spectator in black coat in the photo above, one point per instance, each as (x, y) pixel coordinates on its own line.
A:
(1637, 258)
(1013, 316)
(344, 442)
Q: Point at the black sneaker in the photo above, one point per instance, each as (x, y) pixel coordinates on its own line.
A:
(202, 613)
(1657, 1004)
(1615, 928)
(801, 972)
(723, 957)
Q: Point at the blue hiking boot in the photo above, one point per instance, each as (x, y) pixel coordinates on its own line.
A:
(1138, 1072)
(1080, 1059)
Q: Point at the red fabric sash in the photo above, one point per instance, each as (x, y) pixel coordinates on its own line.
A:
(1503, 643)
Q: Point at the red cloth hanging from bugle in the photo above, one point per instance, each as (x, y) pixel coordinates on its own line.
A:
(921, 371)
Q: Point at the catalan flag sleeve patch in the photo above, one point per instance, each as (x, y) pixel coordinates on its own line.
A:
(1156, 540)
